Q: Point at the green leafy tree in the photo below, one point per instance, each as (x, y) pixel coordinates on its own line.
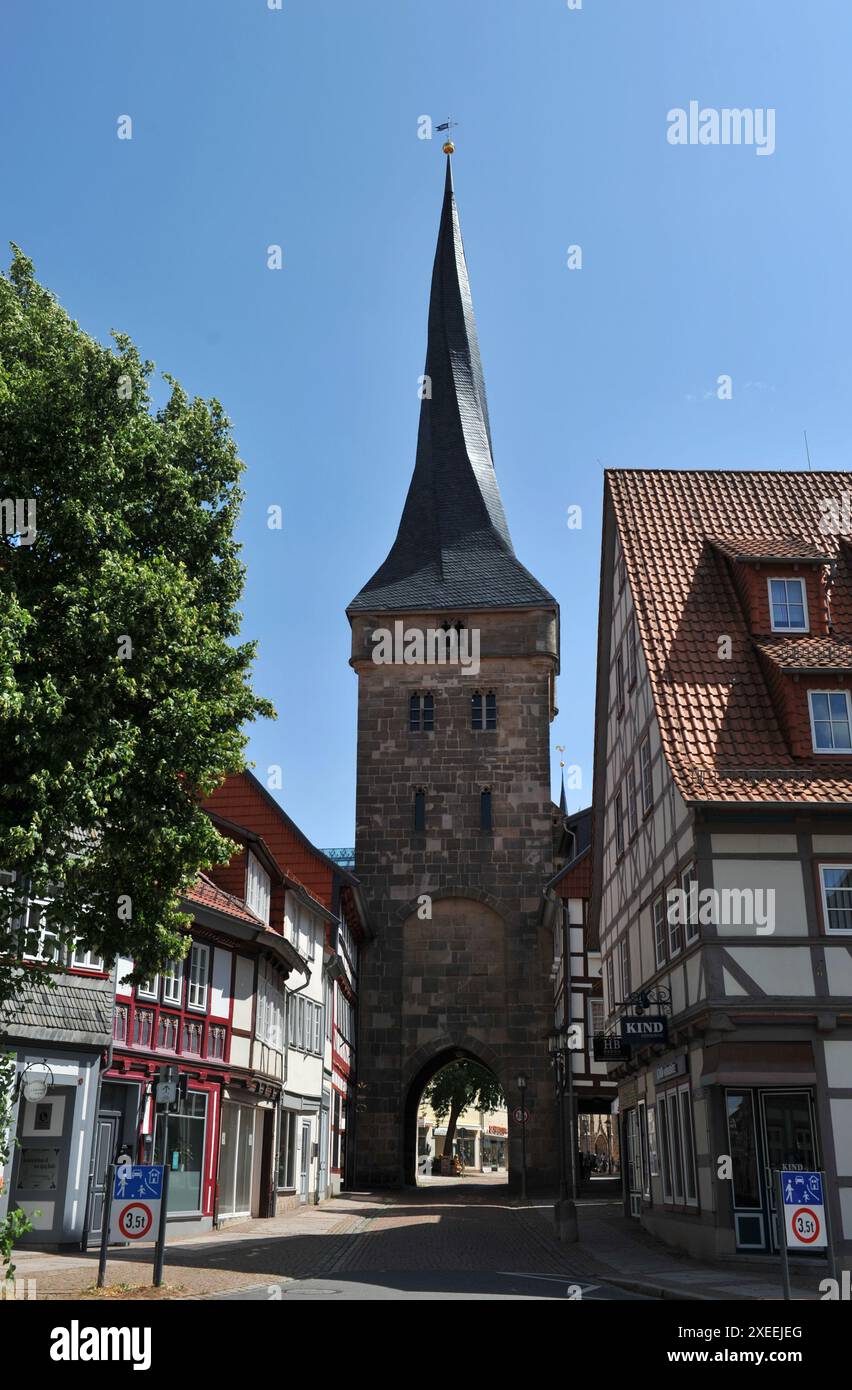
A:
(458, 1087)
(124, 690)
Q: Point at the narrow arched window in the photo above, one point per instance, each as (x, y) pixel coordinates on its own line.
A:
(491, 710)
(421, 713)
(476, 710)
(485, 809)
(420, 809)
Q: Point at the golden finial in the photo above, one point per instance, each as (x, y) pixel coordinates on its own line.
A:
(448, 146)
(560, 748)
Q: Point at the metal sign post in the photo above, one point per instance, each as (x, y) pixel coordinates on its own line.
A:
(782, 1236)
(106, 1215)
(161, 1234)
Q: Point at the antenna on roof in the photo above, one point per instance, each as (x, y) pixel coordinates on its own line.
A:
(807, 450)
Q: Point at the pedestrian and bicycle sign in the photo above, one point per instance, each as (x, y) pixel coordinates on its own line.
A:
(137, 1200)
(804, 1210)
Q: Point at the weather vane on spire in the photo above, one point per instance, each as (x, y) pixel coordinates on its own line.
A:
(448, 125)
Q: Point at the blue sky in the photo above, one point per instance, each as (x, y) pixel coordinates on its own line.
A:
(299, 127)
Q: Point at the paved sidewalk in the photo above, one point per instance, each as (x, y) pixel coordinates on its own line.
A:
(302, 1243)
(617, 1249)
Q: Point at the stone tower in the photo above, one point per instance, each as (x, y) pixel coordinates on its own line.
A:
(454, 817)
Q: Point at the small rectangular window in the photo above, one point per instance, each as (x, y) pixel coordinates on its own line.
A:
(632, 819)
(414, 714)
(689, 884)
(485, 810)
(673, 913)
(419, 810)
(788, 605)
(646, 776)
(659, 931)
(619, 825)
(198, 964)
(619, 682)
(491, 710)
(830, 721)
(631, 654)
(173, 982)
(428, 713)
(258, 887)
(836, 880)
(86, 960)
(610, 983)
(625, 966)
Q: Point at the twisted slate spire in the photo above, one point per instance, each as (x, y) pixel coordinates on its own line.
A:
(453, 549)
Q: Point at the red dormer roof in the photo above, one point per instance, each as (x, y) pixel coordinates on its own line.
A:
(207, 894)
(683, 535)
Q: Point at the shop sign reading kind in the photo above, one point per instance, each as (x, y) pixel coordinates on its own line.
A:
(651, 1028)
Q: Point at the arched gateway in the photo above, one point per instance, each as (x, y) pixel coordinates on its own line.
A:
(456, 647)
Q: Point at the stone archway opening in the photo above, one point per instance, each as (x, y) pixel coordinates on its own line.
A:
(456, 1121)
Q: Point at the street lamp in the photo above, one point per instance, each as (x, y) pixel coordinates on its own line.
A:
(560, 1045)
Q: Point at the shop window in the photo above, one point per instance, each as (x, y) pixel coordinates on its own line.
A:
(836, 882)
(688, 1147)
(335, 1133)
(285, 1168)
(742, 1142)
(198, 969)
(179, 1142)
(664, 1141)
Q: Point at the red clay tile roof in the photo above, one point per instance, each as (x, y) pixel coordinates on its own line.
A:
(207, 894)
(719, 727)
(807, 653)
(767, 548)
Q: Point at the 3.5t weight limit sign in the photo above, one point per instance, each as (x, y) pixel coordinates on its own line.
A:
(137, 1200)
(804, 1210)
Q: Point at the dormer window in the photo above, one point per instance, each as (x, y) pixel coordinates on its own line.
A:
(831, 721)
(788, 605)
